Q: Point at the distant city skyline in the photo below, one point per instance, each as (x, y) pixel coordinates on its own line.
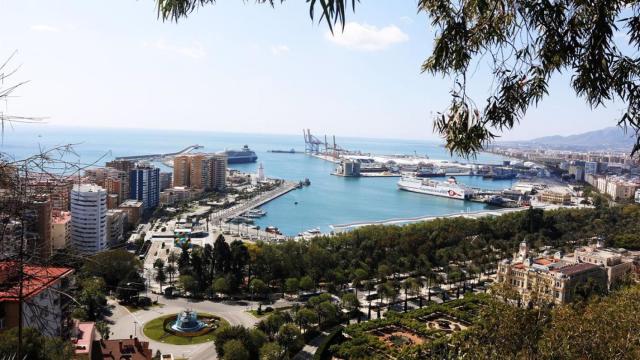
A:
(247, 68)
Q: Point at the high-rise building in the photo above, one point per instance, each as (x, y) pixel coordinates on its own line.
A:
(89, 218)
(200, 171)
(199, 165)
(218, 172)
(44, 246)
(144, 186)
(61, 229)
(165, 180)
(181, 170)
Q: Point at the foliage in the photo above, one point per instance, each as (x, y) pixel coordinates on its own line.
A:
(527, 43)
(114, 266)
(235, 350)
(91, 298)
(290, 339)
(34, 345)
(271, 351)
(252, 340)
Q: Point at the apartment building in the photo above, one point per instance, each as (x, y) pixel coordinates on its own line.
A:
(44, 306)
(61, 229)
(89, 218)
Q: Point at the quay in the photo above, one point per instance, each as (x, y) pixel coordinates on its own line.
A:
(471, 215)
(238, 209)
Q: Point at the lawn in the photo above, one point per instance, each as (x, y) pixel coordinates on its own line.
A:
(266, 313)
(153, 330)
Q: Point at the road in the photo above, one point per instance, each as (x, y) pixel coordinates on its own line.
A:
(125, 323)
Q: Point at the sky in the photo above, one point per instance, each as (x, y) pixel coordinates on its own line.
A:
(243, 67)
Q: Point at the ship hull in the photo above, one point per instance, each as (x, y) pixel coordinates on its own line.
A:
(450, 193)
(242, 159)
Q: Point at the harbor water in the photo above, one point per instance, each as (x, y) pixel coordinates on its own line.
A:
(329, 200)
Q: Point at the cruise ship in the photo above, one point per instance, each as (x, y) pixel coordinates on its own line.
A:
(449, 189)
(245, 155)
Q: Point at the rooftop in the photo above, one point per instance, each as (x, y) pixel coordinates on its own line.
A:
(576, 269)
(35, 280)
(130, 349)
(61, 217)
(87, 188)
(84, 337)
(131, 203)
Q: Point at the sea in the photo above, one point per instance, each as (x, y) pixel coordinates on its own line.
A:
(329, 200)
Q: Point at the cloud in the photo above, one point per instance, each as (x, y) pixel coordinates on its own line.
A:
(279, 50)
(367, 37)
(45, 28)
(406, 20)
(195, 51)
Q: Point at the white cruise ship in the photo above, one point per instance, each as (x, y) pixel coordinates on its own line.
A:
(450, 188)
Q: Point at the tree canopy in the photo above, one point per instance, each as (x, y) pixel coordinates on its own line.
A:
(526, 42)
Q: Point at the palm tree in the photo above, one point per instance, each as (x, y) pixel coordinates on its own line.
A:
(408, 285)
(171, 270)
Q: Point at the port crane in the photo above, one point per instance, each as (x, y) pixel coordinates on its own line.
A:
(311, 143)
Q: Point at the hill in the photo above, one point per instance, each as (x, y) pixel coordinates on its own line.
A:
(613, 138)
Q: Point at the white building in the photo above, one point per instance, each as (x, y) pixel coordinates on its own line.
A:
(638, 196)
(89, 218)
(260, 173)
(620, 189)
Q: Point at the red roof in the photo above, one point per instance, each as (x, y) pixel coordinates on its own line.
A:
(35, 279)
(542, 261)
(576, 268)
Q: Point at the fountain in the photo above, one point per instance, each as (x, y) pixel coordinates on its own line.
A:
(187, 321)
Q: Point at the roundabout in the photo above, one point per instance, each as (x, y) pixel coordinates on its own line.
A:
(184, 328)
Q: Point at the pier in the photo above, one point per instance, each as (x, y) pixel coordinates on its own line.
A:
(241, 208)
(155, 157)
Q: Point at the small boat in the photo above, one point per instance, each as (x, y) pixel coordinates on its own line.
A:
(272, 230)
(295, 203)
(255, 213)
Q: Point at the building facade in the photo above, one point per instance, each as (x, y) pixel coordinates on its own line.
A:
(89, 218)
(44, 305)
(200, 171)
(134, 210)
(181, 170)
(165, 180)
(145, 186)
(122, 165)
(549, 279)
(61, 229)
(116, 224)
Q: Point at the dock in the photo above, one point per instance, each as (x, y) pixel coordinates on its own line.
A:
(241, 208)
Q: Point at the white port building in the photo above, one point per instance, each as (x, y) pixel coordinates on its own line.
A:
(88, 218)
